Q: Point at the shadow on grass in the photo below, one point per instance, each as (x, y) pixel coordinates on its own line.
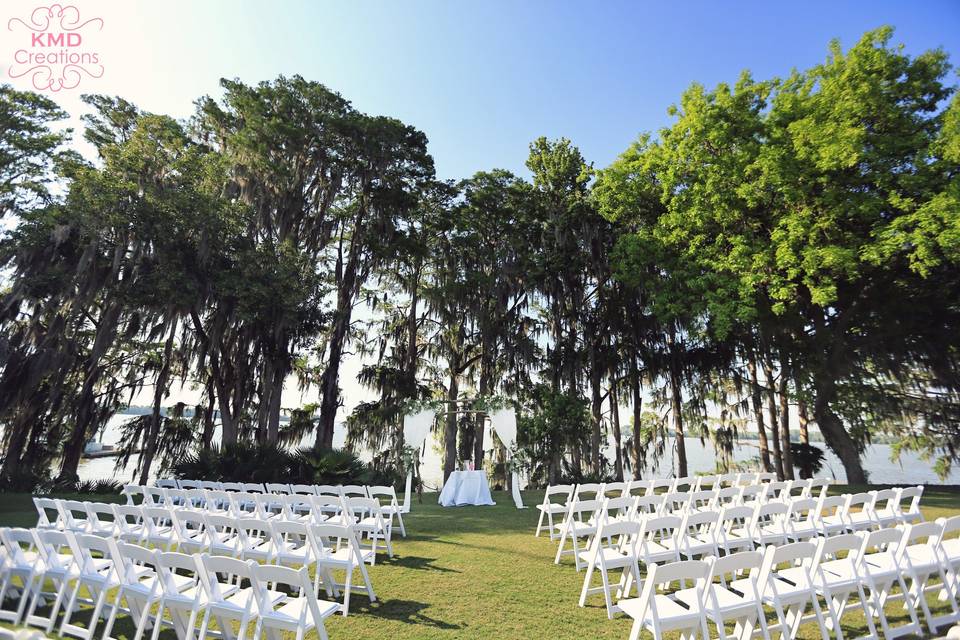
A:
(416, 563)
(405, 611)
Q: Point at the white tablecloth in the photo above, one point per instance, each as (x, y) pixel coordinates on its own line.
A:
(466, 487)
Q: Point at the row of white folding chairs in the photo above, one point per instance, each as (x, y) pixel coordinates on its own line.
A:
(164, 526)
(263, 487)
(733, 526)
(736, 494)
(123, 577)
(880, 507)
(264, 503)
(916, 558)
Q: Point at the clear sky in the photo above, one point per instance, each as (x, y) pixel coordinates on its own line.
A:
(481, 79)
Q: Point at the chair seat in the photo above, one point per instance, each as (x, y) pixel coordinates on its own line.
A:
(835, 574)
(951, 548)
(727, 604)
(922, 557)
(288, 615)
(791, 586)
(671, 614)
(553, 508)
(880, 565)
(611, 558)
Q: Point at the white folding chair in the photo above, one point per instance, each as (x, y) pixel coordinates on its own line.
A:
(166, 483)
(353, 491)
(370, 523)
(131, 491)
(337, 548)
(48, 515)
(836, 578)
(101, 520)
(159, 525)
(59, 567)
(816, 488)
(227, 602)
(23, 562)
(858, 512)
(732, 595)
(733, 529)
(753, 494)
(698, 534)
(211, 485)
(615, 489)
(649, 505)
(879, 569)
(392, 509)
(181, 594)
(705, 483)
(681, 611)
(222, 538)
(802, 519)
(579, 522)
(702, 500)
(885, 504)
(191, 484)
(830, 515)
(139, 587)
(233, 487)
(789, 590)
(725, 497)
(189, 528)
(254, 487)
(549, 508)
(277, 487)
(911, 513)
(657, 540)
(683, 484)
(769, 524)
(613, 548)
(98, 574)
(299, 614)
(256, 542)
(73, 515)
(950, 548)
(921, 557)
(298, 507)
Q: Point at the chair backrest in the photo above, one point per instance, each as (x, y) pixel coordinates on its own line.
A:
(297, 504)
(831, 506)
(326, 537)
(74, 514)
(649, 504)
(886, 500)
(613, 508)
(614, 489)
(583, 510)
(47, 513)
(622, 533)
(727, 496)
(166, 483)
(912, 495)
(766, 476)
(661, 485)
(683, 484)
(231, 486)
(212, 485)
(153, 496)
(701, 524)
(127, 516)
(100, 514)
(799, 554)
(737, 517)
(949, 526)
(777, 490)
(175, 497)
(191, 484)
(753, 493)
(802, 509)
(921, 533)
(233, 568)
(769, 512)
(220, 527)
(728, 480)
(276, 487)
(676, 502)
(19, 542)
(705, 483)
(661, 528)
(303, 489)
(386, 492)
(857, 502)
(702, 499)
(731, 567)
(188, 523)
(86, 546)
(136, 560)
(131, 491)
(171, 564)
(326, 490)
(54, 547)
(254, 487)
(641, 487)
(817, 487)
(297, 579)
(696, 571)
(882, 543)
(584, 491)
(353, 490)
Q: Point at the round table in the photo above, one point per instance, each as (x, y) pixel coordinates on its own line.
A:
(466, 487)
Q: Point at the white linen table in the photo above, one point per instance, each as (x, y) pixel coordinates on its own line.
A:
(466, 487)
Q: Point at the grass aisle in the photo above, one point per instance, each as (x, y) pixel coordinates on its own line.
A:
(478, 572)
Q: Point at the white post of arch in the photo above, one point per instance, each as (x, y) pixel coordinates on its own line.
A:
(416, 428)
(504, 423)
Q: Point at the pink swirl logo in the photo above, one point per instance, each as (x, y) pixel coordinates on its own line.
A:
(55, 54)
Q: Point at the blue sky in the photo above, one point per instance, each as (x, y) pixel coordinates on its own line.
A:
(482, 79)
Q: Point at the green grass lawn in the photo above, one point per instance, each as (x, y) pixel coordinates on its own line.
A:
(478, 572)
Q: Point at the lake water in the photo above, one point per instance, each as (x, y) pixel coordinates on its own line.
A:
(909, 470)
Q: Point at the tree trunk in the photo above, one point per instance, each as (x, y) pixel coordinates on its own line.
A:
(637, 414)
(804, 420)
(329, 381)
(159, 391)
(615, 421)
(677, 407)
(785, 419)
(758, 413)
(450, 428)
(834, 433)
(596, 380)
(771, 394)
